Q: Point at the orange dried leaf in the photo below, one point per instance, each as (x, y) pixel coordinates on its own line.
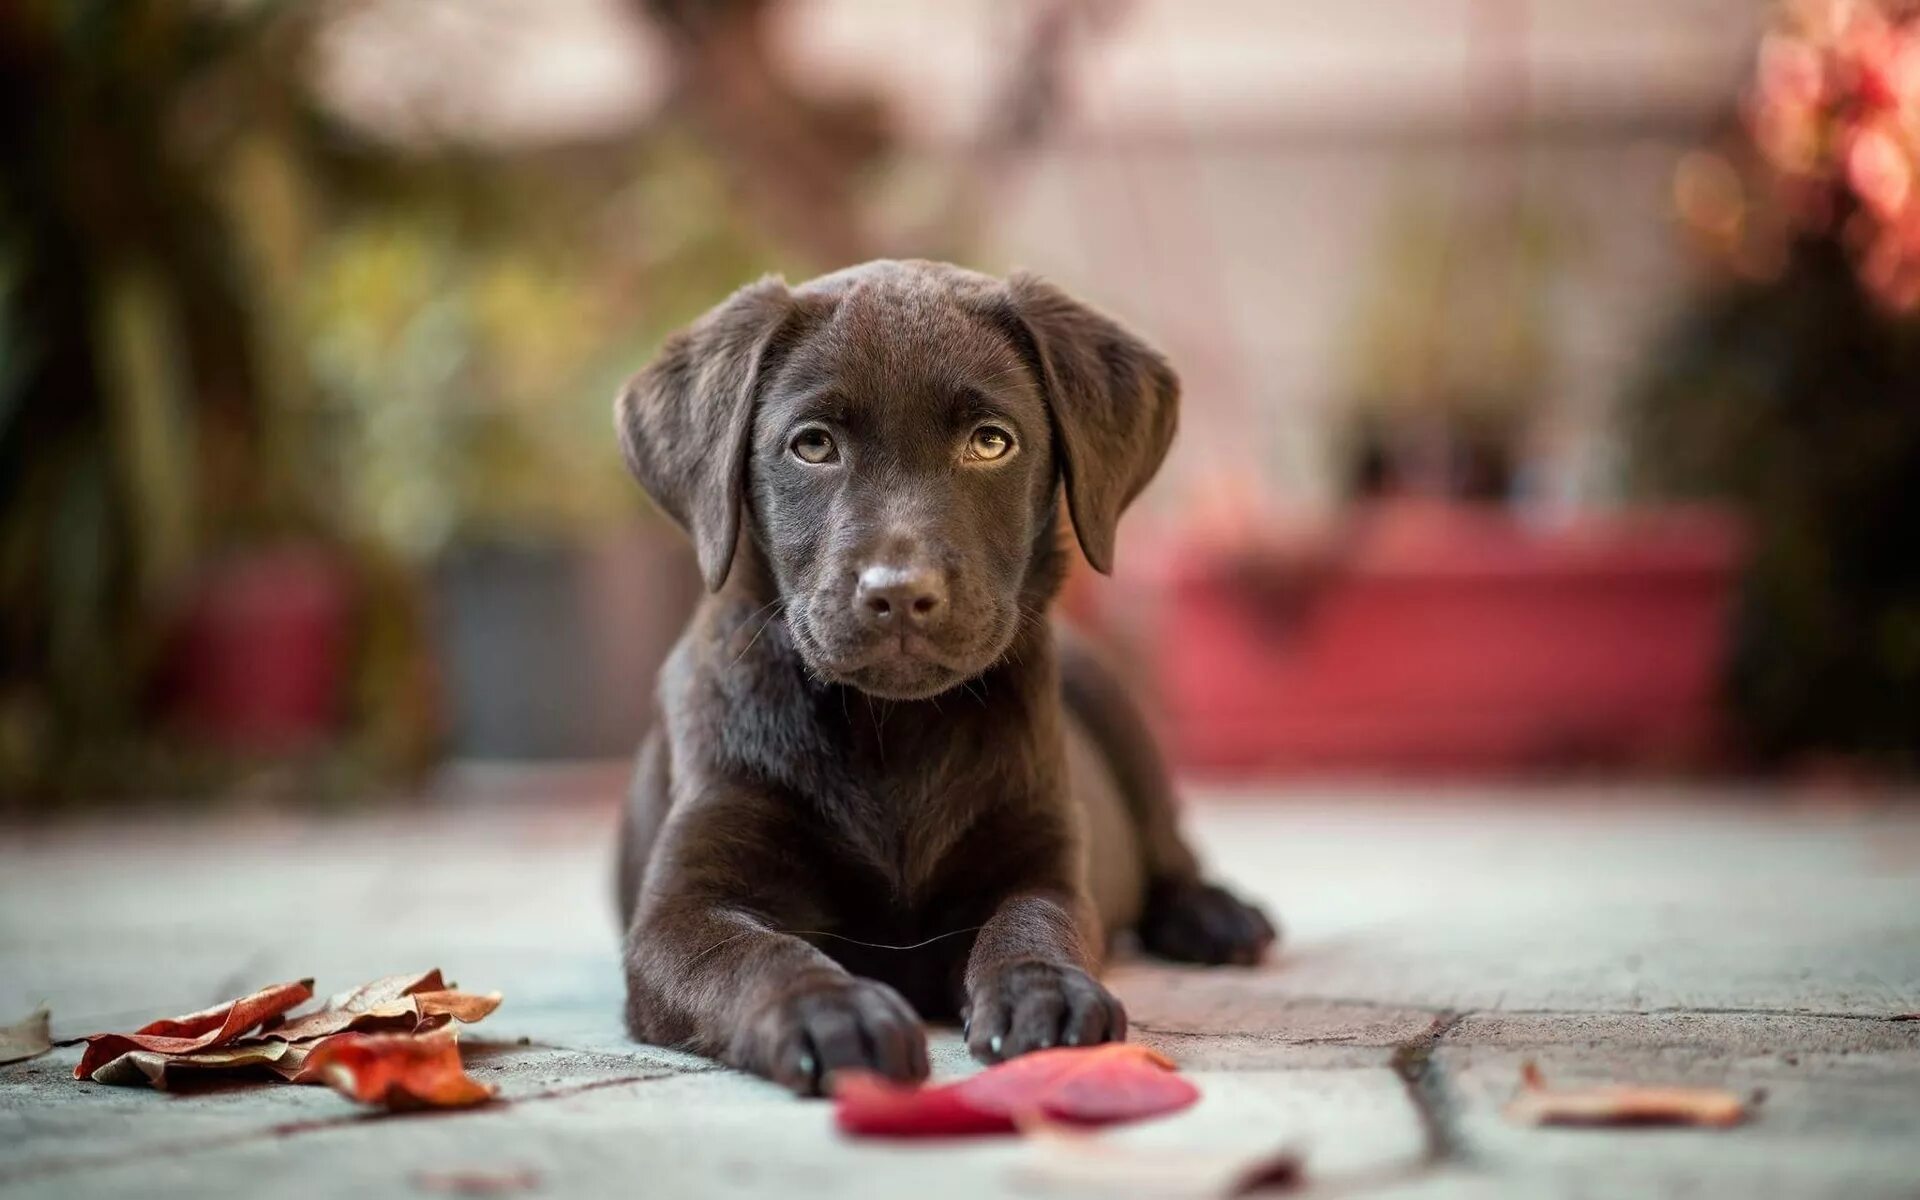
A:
(465, 1007)
(404, 1003)
(395, 1071)
(1620, 1104)
(478, 1183)
(202, 1030)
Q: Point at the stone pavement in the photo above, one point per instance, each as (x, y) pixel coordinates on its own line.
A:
(1436, 939)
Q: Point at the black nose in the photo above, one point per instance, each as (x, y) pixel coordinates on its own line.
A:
(901, 597)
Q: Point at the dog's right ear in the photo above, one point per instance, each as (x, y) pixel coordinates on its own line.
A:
(685, 421)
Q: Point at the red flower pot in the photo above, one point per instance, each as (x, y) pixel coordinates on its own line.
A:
(259, 663)
(1453, 638)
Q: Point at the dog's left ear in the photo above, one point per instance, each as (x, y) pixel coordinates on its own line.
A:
(1114, 401)
(684, 420)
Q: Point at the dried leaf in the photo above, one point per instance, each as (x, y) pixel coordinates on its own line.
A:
(477, 1183)
(409, 1003)
(1537, 1104)
(29, 1037)
(396, 1071)
(252, 1056)
(202, 1030)
(1095, 1085)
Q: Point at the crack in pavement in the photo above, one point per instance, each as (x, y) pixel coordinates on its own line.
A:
(1427, 1090)
(285, 1129)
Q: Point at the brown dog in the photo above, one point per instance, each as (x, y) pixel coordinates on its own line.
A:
(881, 786)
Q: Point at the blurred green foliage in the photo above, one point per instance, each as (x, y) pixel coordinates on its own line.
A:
(1798, 400)
(228, 320)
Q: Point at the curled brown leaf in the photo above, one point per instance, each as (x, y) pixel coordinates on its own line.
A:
(1621, 1104)
(394, 1003)
(29, 1037)
(203, 1030)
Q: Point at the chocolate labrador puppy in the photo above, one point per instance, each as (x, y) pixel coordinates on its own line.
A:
(882, 786)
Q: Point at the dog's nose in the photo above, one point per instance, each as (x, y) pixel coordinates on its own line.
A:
(901, 597)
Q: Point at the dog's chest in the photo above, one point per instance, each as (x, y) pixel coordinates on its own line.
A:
(905, 790)
(899, 825)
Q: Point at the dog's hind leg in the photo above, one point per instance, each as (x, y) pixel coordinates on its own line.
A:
(645, 811)
(1181, 915)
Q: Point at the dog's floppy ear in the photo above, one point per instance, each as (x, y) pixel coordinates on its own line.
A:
(1114, 401)
(686, 418)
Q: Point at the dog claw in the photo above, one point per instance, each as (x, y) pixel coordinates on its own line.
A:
(1036, 1005)
(847, 1024)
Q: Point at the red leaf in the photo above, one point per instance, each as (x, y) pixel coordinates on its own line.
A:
(1096, 1085)
(202, 1030)
(395, 1070)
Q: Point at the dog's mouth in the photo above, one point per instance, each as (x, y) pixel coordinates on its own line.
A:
(904, 666)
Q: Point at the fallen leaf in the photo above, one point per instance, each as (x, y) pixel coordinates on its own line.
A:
(1617, 1104)
(477, 1183)
(202, 1030)
(1074, 1156)
(411, 1003)
(1095, 1085)
(29, 1037)
(395, 1070)
(149, 1068)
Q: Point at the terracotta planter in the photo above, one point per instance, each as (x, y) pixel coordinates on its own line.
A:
(1452, 638)
(259, 661)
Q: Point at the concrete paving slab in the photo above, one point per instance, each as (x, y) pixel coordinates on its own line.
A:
(701, 1134)
(1701, 938)
(1834, 1102)
(1244, 1019)
(1584, 899)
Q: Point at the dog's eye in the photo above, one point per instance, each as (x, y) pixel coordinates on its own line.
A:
(814, 446)
(989, 442)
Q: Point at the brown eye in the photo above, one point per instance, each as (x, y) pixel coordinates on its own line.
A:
(988, 443)
(814, 446)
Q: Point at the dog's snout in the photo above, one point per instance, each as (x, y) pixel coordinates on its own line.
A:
(903, 597)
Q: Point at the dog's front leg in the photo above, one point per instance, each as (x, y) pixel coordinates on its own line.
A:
(723, 983)
(1029, 980)
(711, 968)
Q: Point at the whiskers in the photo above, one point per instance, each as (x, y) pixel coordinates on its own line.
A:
(778, 605)
(827, 933)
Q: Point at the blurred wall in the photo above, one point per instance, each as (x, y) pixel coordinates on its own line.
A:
(1223, 173)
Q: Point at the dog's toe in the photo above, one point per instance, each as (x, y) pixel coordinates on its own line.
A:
(1198, 922)
(1034, 1005)
(857, 1024)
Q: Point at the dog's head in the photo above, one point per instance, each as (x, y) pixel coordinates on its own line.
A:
(895, 434)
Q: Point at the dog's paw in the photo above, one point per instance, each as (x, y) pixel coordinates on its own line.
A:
(1034, 1005)
(821, 1027)
(1193, 921)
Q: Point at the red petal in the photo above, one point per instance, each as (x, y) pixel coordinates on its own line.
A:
(1091, 1086)
(866, 1104)
(1096, 1085)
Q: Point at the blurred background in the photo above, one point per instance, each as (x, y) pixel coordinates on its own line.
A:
(1552, 368)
